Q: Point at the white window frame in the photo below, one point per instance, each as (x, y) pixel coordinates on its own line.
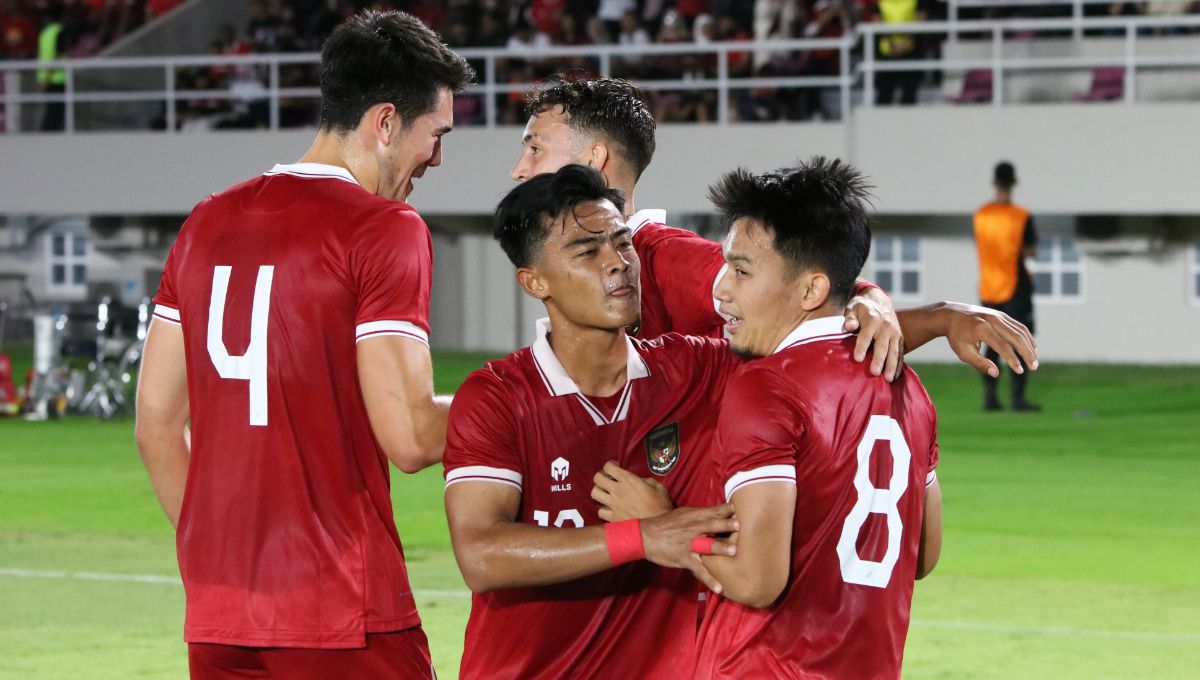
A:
(897, 266)
(1052, 248)
(1193, 269)
(69, 260)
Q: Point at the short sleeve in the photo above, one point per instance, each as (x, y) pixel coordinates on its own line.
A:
(166, 300)
(757, 432)
(481, 442)
(1030, 237)
(931, 476)
(684, 267)
(391, 266)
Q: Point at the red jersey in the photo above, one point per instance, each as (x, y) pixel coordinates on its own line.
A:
(522, 421)
(286, 536)
(680, 269)
(861, 452)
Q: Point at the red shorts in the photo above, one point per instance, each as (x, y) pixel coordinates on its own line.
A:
(403, 655)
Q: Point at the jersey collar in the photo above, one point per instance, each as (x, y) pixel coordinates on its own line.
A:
(643, 217)
(555, 376)
(313, 170)
(824, 328)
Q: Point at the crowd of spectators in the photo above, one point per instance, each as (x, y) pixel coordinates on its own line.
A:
(281, 26)
(87, 26)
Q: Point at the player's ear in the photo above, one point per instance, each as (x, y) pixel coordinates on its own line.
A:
(598, 156)
(382, 122)
(532, 283)
(814, 289)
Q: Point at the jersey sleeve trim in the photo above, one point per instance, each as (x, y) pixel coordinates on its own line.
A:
(483, 473)
(374, 329)
(766, 473)
(167, 314)
(931, 477)
(643, 217)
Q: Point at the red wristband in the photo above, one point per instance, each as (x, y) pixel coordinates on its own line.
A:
(624, 541)
(703, 545)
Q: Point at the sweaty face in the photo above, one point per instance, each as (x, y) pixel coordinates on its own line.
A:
(589, 268)
(415, 148)
(758, 292)
(547, 144)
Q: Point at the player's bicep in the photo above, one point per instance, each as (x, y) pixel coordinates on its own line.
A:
(472, 507)
(162, 396)
(931, 529)
(765, 513)
(395, 374)
(474, 510)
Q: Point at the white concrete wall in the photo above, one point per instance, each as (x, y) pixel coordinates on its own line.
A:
(1072, 159)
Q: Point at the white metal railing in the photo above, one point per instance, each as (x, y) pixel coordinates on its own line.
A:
(855, 79)
(999, 64)
(954, 6)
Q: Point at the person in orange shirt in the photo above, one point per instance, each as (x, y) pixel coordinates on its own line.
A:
(1004, 237)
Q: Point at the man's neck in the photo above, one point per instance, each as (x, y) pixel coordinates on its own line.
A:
(595, 358)
(344, 151)
(626, 189)
(824, 311)
(1003, 197)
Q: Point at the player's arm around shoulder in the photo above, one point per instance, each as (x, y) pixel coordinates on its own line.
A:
(756, 466)
(408, 420)
(162, 414)
(966, 327)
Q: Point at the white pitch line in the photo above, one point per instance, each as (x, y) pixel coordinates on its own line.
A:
(1057, 630)
(455, 594)
(167, 580)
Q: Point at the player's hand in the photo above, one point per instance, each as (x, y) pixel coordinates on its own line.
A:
(873, 316)
(668, 539)
(969, 326)
(623, 495)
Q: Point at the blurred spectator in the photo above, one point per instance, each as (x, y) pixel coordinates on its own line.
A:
(729, 29)
(611, 12)
(773, 19)
(631, 35)
(546, 16)
(569, 32)
(597, 32)
(52, 80)
(491, 31)
(524, 37)
(19, 30)
(899, 47)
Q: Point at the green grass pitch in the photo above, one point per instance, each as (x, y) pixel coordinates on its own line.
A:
(1072, 539)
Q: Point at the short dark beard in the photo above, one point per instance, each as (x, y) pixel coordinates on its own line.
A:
(744, 353)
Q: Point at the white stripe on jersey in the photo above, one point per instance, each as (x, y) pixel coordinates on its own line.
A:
(406, 329)
(482, 473)
(766, 473)
(931, 477)
(167, 314)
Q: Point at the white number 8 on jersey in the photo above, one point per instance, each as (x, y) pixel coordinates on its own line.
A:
(873, 500)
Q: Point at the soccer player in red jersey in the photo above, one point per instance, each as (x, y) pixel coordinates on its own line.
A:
(604, 123)
(830, 469)
(529, 432)
(291, 331)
